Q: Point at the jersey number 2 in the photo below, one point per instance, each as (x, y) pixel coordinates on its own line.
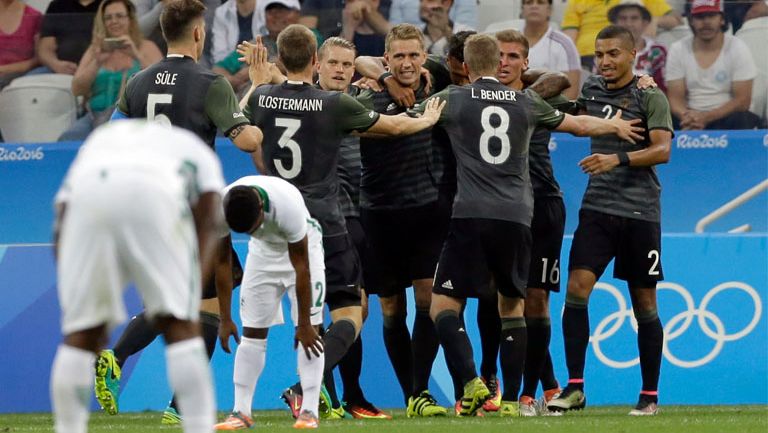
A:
(286, 141)
(490, 131)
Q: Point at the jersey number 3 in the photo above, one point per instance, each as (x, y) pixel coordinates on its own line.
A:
(286, 141)
(489, 131)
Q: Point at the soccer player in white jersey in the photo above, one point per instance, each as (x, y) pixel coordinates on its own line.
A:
(285, 254)
(141, 203)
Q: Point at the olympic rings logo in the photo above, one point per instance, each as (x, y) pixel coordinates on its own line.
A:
(678, 324)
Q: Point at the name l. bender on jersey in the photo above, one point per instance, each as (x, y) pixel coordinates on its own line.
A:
(494, 95)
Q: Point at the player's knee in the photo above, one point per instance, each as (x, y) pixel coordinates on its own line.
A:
(393, 305)
(511, 307)
(423, 295)
(175, 330)
(537, 303)
(578, 287)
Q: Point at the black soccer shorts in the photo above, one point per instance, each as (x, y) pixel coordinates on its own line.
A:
(547, 230)
(634, 243)
(342, 272)
(478, 249)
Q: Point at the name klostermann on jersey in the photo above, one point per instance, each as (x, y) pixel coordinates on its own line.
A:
(290, 104)
(494, 95)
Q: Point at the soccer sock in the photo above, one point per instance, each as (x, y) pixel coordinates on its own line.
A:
(397, 340)
(458, 386)
(71, 388)
(210, 324)
(330, 386)
(424, 345)
(190, 377)
(337, 340)
(650, 340)
(249, 363)
(514, 338)
(548, 379)
(539, 334)
(350, 368)
(489, 326)
(576, 338)
(456, 345)
(311, 376)
(136, 336)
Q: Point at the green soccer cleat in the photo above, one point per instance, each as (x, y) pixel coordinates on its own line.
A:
(424, 405)
(170, 417)
(337, 413)
(510, 409)
(571, 398)
(107, 383)
(475, 394)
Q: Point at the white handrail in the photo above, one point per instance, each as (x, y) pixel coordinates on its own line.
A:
(731, 205)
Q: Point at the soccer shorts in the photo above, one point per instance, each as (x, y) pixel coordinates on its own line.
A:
(634, 243)
(547, 230)
(478, 250)
(404, 245)
(342, 272)
(123, 227)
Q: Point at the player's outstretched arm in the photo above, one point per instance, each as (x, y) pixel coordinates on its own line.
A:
(223, 278)
(546, 83)
(305, 333)
(208, 217)
(593, 126)
(405, 125)
(657, 153)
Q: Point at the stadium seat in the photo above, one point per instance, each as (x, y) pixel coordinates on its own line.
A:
(37, 108)
(40, 5)
(754, 33)
(505, 25)
(668, 37)
(496, 11)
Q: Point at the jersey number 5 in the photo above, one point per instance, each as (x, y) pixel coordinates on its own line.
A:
(490, 131)
(158, 98)
(286, 141)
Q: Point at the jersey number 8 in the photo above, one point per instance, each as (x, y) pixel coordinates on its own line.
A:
(490, 131)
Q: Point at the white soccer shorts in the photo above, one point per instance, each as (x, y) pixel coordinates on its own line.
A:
(120, 227)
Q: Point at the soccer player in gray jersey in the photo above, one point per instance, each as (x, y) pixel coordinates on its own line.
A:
(489, 126)
(303, 127)
(619, 217)
(163, 92)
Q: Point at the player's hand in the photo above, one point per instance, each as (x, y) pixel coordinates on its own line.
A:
(646, 82)
(627, 129)
(259, 69)
(433, 109)
(598, 163)
(427, 76)
(402, 95)
(227, 328)
(368, 84)
(309, 339)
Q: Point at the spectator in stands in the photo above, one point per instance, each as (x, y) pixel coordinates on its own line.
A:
(550, 49)
(651, 56)
(65, 35)
(149, 12)
(326, 16)
(365, 26)
(19, 29)
(464, 12)
(738, 11)
(710, 74)
(118, 51)
(583, 19)
(236, 21)
(278, 15)
(438, 27)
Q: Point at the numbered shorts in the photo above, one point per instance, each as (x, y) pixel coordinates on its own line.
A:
(635, 244)
(404, 245)
(342, 272)
(478, 250)
(547, 230)
(122, 227)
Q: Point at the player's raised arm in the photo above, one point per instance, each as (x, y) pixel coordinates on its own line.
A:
(591, 126)
(546, 83)
(224, 285)
(405, 125)
(298, 252)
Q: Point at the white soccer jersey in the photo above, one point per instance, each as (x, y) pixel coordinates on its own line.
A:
(286, 220)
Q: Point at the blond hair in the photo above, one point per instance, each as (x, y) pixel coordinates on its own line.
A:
(481, 54)
(403, 32)
(100, 28)
(296, 45)
(335, 41)
(510, 36)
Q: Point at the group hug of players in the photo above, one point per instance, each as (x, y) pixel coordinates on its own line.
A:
(441, 182)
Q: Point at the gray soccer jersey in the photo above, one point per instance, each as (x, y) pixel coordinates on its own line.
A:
(489, 126)
(632, 192)
(540, 162)
(303, 127)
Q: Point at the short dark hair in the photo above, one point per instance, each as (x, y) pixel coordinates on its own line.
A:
(456, 44)
(177, 16)
(242, 207)
(617, 32)
(296, 45)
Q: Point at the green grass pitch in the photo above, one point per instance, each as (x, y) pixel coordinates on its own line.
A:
(609, 419)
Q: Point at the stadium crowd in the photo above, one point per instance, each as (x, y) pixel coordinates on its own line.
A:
(376, 199)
